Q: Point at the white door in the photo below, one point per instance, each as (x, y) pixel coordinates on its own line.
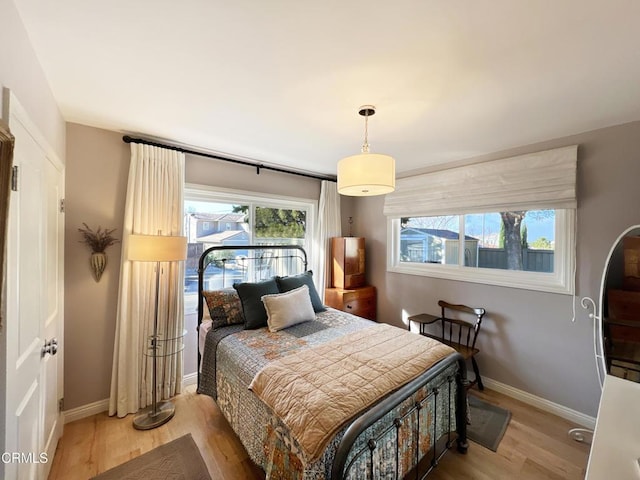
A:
(34, 305)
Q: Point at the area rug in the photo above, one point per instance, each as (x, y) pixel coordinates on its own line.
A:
(487, 423)
(176, 460)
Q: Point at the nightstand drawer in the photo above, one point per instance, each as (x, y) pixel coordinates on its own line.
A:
(358, 301)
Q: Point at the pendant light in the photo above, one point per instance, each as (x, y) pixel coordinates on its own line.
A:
(365, 173)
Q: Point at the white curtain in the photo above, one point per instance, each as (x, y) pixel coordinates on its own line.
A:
(154, 205)
(329, 225)
(527, 182)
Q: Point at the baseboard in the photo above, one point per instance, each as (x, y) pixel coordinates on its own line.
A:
(86, 411)
(189, 379)
(103, 405)
(541, 403)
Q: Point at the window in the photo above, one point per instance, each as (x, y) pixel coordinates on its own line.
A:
(507, 222)
(240, 218)
(525, 249)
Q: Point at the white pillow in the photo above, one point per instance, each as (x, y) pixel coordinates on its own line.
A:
(289, 308)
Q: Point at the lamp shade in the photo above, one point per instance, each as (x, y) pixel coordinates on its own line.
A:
(366, 174)
(156, 248)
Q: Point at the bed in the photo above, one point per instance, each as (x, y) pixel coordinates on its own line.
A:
(327, 394)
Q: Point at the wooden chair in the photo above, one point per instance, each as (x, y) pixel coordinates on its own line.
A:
(461, 334)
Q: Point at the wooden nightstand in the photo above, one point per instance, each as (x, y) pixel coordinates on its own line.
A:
(358, 301)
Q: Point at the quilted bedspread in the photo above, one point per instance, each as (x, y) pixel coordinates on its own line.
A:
(315, 391)
(233, 357)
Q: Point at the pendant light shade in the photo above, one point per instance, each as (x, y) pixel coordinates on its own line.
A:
(366, 174)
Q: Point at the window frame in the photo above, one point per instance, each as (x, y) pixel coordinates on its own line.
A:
(561, 281)
(206, 193)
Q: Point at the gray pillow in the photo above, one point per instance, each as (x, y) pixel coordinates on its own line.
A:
(255, 316)
(286, 284)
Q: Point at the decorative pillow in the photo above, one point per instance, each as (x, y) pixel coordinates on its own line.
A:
(286, 284)
(255, 316)
(289, 308)
(224, 307)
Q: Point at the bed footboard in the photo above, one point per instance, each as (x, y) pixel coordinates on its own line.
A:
(388, 441)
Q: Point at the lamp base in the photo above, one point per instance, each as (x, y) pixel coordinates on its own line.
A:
(147, 420)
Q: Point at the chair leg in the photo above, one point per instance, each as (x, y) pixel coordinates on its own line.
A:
(477, 372)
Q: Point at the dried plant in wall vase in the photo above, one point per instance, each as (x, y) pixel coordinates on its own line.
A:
(98, 242)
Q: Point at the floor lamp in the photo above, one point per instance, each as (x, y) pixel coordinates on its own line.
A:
(156, 248)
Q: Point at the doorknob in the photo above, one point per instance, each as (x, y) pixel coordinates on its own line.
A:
(50, 347)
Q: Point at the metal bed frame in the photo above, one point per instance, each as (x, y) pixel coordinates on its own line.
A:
(344, 459)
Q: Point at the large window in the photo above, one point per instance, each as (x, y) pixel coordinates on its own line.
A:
(220, 217)
(524, 249)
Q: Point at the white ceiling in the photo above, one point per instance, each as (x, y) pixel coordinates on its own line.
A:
(280, 81)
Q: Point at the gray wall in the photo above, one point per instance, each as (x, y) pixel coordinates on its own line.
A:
(97, 172)
(528, 340)
(21, 72)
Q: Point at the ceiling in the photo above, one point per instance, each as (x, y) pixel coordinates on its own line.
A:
(281, 81)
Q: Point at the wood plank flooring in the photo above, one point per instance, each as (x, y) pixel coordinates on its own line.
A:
(535, 446)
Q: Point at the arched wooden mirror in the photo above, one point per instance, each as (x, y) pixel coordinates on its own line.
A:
(617, 314)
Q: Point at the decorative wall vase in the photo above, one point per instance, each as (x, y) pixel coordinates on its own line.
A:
(98, 264)
(97, 241)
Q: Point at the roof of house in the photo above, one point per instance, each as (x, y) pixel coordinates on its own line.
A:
(220, 237)
(440, 233)
(219, 217)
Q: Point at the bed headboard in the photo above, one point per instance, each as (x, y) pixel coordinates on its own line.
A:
(222, 266)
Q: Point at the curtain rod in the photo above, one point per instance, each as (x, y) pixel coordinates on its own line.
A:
(258, 166)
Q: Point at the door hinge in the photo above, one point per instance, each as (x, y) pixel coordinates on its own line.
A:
(61, 404)
(62, 205)
(14, 178)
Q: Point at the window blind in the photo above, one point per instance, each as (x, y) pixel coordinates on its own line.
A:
(535, 181)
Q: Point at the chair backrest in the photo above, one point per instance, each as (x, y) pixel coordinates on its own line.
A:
(457, 330)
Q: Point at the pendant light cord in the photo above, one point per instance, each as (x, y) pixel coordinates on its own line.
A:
(365, 145)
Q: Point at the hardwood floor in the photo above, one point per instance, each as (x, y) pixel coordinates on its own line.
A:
(535, 446)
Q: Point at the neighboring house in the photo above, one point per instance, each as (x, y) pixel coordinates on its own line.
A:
(432, 245)
(230, 237)
(205, 230)
(206, 227)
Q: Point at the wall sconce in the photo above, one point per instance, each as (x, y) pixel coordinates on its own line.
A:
(98, 242)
